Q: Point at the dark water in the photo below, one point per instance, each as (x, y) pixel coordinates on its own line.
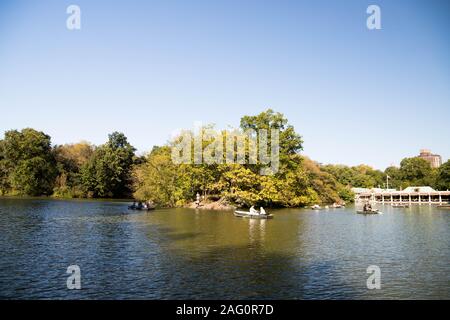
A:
(181, 253)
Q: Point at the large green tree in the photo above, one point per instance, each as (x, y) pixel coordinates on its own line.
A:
(395, 177)
(159, 179)
(70, 159)
(290, 142)
(27, 166)
(416, 172)
(108, 171)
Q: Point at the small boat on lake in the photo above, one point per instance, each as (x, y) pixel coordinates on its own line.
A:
(400, 205)
(142, 207)
(368, 209)
(372, 211)
(246, 214)
(316, 207)
(253, 214)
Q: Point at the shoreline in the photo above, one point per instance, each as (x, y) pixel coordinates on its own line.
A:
(219, 205)
(21, 197)
(214, 205)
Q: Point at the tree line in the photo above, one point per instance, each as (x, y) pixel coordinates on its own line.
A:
(299, 181)
(31, 165)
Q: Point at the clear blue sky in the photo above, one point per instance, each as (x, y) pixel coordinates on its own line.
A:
(147, 68)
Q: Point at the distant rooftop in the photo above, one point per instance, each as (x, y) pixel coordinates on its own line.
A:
(409, 190)
(425, 151)
(375, 190)
(419, 189)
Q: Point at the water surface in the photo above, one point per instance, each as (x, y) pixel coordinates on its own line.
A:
(189, 254)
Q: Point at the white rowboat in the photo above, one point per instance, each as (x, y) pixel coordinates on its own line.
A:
(246, 214)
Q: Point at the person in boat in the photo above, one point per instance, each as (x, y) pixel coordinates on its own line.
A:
(133, 206)
(139, 206)
(262, 211)
(367, 207)
(253, 210)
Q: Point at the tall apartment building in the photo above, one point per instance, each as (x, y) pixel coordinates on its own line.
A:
(435, 160)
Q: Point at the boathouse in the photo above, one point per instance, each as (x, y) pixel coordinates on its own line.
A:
(410, 195)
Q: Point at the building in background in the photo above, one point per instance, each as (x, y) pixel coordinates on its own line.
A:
(435, 160)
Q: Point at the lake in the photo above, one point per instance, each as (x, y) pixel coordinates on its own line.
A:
(189, 254)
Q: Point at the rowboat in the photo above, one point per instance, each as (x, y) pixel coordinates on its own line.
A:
(368, 212)
(246, 214)
(399, 205)
(141, 208)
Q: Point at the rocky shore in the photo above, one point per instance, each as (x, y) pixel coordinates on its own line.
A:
(211, 205)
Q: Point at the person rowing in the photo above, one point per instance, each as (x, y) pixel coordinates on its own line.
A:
(253, 211)
(367, 207)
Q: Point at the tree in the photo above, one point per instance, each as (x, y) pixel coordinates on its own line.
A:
(108, 172)
(290, 142)
(443, 177)
(395, 178)
(158, 180)
(361, 176)
(27, 164)
(323, 183)
(4, 171)
(241, 185)
(74, 155)
(416, 172)
(70, 159)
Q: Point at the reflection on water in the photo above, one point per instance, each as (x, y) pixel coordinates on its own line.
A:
(184, 253)
(256, 229)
